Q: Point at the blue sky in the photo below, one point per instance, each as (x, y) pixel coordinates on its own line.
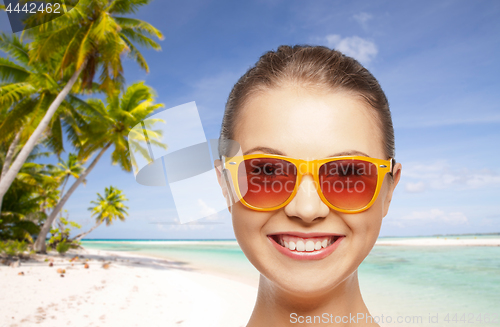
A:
(435, 61)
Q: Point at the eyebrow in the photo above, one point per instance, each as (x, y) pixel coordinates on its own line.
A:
(349, 153)
(279, 153)
(265, 150)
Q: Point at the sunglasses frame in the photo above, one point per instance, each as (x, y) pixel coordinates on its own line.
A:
(232, 164)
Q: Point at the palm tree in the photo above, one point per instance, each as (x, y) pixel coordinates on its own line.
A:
(107, 126)
(72, 167)
(93, 35)
(34, 190)
(27, 90)
(107, 209)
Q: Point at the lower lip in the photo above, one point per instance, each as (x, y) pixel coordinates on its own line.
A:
(305, 255)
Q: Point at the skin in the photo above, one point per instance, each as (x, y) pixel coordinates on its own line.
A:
(308, 124)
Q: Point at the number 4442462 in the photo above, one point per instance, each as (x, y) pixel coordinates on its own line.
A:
(472, 318)
(33, 8)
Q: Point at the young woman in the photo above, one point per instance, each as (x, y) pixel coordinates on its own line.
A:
(311, 184)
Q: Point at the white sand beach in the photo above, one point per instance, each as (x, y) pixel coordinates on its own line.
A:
(136, 290)
(133, 291)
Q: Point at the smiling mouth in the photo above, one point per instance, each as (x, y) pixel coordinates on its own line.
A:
(301, 244)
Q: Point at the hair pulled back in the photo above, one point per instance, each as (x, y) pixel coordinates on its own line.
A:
(312, 67)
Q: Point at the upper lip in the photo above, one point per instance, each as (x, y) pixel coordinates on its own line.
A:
(306, 235)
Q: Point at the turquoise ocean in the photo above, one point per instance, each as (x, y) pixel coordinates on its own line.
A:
(422, 285)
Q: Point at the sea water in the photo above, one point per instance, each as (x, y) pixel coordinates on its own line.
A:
(408, 285)
(460, 285)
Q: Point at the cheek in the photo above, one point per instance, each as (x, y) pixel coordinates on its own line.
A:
(247, 225)
(365, 228)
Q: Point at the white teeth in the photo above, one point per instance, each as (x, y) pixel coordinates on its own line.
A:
(302, 245)
(309, 246)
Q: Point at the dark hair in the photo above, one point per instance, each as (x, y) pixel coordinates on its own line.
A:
(309, 66)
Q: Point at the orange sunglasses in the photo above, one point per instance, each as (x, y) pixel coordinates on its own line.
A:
(265, 182)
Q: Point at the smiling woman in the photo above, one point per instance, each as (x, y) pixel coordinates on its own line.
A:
(314, 178)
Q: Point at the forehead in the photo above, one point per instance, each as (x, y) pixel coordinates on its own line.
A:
(308, 124)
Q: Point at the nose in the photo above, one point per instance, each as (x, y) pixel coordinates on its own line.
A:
(307, 205)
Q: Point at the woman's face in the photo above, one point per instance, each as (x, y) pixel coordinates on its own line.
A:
(303, 124)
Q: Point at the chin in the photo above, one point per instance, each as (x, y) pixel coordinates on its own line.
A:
(304, 280)
(309, 289)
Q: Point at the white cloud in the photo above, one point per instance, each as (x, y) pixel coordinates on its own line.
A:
(353, 46)
(440, 175)
(435, 216)
(362, 18)
(415, 187)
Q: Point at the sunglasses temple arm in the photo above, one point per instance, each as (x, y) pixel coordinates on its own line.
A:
(228, 185)
(226, 176)
(393, 163)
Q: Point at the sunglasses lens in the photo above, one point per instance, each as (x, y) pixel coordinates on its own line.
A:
(348, 184)
(269, 182)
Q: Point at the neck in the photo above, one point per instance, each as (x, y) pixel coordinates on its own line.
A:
(341, 305)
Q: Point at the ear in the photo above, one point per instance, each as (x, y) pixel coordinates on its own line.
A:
(223, 183)
(396, 177)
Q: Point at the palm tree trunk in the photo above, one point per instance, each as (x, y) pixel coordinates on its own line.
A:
(64, 185)
(62, 194)
(40, 246)
(10, 155)
(9, 177)
(82, 235)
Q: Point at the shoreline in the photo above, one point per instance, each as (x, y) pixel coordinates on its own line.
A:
(417, 241)
(441, 241)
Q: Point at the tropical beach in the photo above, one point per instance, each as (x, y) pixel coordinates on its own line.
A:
(210, 283)
(95, 225)
(131, 291)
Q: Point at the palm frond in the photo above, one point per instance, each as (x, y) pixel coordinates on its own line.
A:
(55, 141)
(45, 44)
(72, 49)
(12, 72)
(15, 92)
(126, 6)
(140, 39)
(136, 54)
(16, 118)
(14, 47)
(134, 95)
(138, 26)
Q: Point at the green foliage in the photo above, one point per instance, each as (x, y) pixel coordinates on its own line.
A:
(63, 247)
(11, 248)
(97, 35)
(109, 123)
(110, 206)
(33, 191)
(59, 239)
(27, 88)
